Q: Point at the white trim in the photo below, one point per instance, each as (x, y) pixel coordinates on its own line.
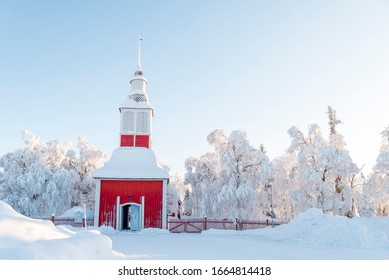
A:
(118, 208)
(150, 128)
(164, 193)
(130, 203)
(142, 211)
(97, 202)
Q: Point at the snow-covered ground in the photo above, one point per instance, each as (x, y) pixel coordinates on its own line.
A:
(311, 236)
(25, 238)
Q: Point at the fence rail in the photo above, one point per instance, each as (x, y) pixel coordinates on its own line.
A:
(182, 225)
(198, 225)
(70, 221)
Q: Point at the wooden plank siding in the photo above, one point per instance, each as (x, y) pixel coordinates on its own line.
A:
(131, 191)
(127, 141)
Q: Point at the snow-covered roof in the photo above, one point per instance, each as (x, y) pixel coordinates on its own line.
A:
(132, 163)
(136, 101)
(138, 75)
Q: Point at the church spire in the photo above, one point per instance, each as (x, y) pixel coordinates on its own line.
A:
(139, 71)
(139, 41)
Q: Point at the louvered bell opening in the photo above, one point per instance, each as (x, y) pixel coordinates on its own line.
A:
(137, 97)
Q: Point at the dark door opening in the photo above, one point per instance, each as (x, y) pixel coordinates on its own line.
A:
(131, 217)
(126, 216)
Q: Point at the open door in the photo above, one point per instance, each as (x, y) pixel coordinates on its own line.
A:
(135, 217)
(130, 216)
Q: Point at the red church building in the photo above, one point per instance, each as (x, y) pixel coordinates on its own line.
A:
(131, 187)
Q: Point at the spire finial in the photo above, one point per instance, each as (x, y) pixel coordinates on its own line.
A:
(139, 41)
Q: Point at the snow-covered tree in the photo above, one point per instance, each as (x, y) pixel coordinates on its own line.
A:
(176, 190)
(88, 161)
(332, 120)
(187, 208)
(45, 178)
(323, 174)
(203, 175)
(176, 194)
(377, 187)
(228, 182)
(283, 187)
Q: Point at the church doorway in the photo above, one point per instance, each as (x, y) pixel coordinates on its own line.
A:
(130, 216)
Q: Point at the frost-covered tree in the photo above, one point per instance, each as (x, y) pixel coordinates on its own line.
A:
(172, 201)
(203, 175)
(305, 175)
(245, 171)
(176, 181)
(176, 193)
(229, 181)
(283, 187)
(332, 120)
(88, 161)
(323, 174)
(187, 208)
(45, 178)
(377, 187)
(176, 190)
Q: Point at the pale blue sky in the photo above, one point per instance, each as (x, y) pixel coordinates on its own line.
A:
(65, 66)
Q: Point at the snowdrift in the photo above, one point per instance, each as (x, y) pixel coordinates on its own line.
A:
(25, 238)
(317, 230)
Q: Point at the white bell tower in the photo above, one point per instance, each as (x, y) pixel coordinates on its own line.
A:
(136, 112)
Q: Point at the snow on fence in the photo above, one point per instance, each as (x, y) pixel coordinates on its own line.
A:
(198, 225)
(74, 222)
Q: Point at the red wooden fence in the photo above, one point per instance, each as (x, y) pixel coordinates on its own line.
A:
(183, 225)
(198, 225)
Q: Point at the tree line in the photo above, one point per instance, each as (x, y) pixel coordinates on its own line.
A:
(235, 180)
(239, 180)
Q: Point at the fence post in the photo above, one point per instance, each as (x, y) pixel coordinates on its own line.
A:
(205, 223)
(236, 223)
(267, 222)
(53, 218)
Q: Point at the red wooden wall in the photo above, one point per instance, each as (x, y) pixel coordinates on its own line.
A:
(126, 140)
(151, 190)
(140, 141)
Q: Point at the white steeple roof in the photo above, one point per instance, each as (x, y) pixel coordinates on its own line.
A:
(137, 99)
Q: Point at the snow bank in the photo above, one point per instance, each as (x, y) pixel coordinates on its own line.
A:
(25, 238)
(315, 229)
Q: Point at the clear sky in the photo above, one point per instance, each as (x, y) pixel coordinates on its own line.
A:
(264, 66)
